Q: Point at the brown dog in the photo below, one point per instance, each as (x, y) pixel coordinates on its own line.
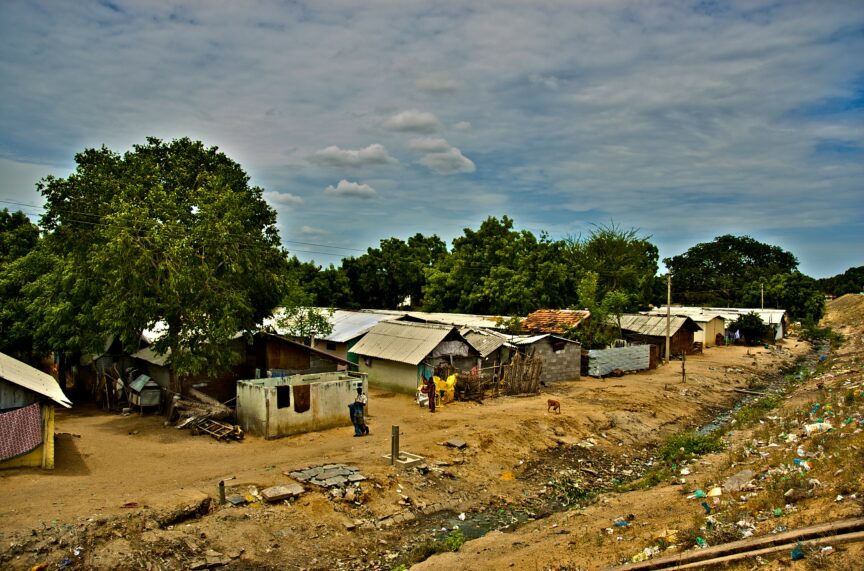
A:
(553, 405)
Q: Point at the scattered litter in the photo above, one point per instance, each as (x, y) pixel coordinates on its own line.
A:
(715, 492)
(462, 516)
(797, 553)
(706, 507)
(701, 542)
(817, 428)
(685, 471)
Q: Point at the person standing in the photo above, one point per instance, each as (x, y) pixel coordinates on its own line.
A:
(360, 428)
(432, 391)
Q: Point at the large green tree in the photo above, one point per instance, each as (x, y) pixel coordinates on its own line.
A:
(622, 259)
(718, 273)
(170, 233)
(499, 270)
(850, 281)
(19, 266)
(384, 277)
(798, 294)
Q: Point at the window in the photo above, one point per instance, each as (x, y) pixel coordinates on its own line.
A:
(301, 398)
(331, 346)
(558, 345)
(283, 396)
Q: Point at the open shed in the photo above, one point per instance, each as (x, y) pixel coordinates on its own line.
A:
(27, 399)
(651, 330)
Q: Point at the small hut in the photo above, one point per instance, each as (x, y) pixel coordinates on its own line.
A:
(27, 399)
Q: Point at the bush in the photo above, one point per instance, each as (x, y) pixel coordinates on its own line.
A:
(686, 445)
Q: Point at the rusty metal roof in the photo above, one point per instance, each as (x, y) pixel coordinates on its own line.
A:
(23, 375)
(402, 341)
(554, 320)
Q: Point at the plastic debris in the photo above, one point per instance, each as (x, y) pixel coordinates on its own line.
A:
(817, 428)
(699, 494)
(701, 542)
(797, 553)
(706, 507)
(777, 512)
(715, 492)
(462, 516)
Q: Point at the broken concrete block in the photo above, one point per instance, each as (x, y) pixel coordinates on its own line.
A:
(456, 443)
(278, 493)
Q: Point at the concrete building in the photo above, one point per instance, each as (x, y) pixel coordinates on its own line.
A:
(396, 354)
(27, 399)
(774, 319)
(712, 324)
(562, 358)
(272, 408)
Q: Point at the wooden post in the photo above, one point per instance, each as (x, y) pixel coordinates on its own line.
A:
(668, 312)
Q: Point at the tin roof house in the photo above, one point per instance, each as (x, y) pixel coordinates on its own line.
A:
(396, 355)
(27, 400)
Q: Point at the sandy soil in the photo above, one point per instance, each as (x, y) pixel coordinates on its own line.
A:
(107, 460)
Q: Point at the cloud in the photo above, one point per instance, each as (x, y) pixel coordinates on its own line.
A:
(412, 121)
(451, 161)
(429, 145)
(312, 231)
(282, 198)
(374, 154)
(747, 116)
(437, 84)
(440, 156)
(350, 189)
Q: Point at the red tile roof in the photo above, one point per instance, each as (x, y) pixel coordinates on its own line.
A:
(554, 320)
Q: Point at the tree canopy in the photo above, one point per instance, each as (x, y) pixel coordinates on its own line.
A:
(167, 232)
(718, 273)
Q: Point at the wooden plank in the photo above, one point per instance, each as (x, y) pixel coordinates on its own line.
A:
(801, 534)
(854, 537)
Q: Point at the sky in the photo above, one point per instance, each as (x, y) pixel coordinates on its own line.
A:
(368, 120)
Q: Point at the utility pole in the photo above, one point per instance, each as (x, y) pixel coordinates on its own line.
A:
(668, 312)
(762, 294)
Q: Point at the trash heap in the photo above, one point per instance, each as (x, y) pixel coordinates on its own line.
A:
(812, 453)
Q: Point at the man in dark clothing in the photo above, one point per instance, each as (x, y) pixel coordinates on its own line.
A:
(357, 413)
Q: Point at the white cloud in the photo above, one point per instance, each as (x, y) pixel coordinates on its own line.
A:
(451, 161)
(412, 121)
(429, 145)
(462, 126)
(312, 231)
(350, 189)
(374, 154)
(282, 198)
(440, 156)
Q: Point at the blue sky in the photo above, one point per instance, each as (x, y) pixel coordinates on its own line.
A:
(367, 120)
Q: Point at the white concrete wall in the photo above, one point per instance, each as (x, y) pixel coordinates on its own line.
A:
(330, 395)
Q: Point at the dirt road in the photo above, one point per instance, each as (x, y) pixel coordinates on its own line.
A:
(105, 461)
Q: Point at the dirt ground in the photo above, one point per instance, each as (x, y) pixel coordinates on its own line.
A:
(131, 493)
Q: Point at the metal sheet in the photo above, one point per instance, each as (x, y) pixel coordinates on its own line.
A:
(23, 375)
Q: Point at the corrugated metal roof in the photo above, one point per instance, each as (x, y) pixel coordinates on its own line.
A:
(23, 375)
(401, 341)
(151, 356)
(485, 343)
(655, 325)
(531, 339)
(348, 325)
(768, 316)
(457, 319)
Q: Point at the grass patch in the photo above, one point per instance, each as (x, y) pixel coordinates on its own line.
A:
(814, 334)
(423, 551)
(757, 409)
(570, 491)
(688, 445)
